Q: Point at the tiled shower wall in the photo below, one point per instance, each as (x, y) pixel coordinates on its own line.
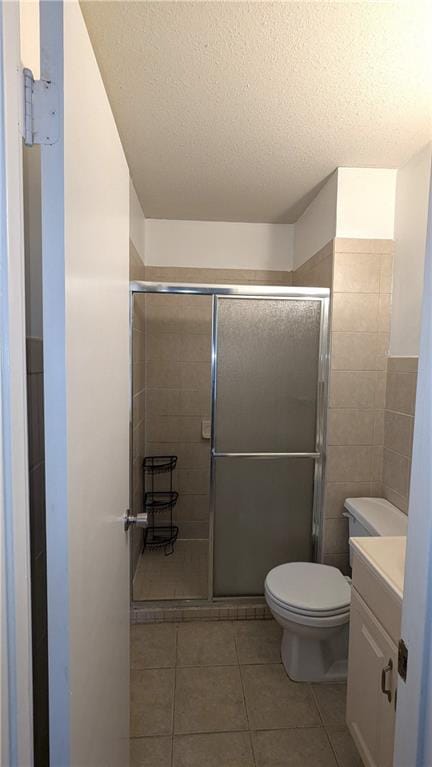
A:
(398, 429)
(359, 272)
(178, 357)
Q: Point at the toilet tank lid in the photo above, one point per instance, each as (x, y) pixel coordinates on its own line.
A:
(377, 515)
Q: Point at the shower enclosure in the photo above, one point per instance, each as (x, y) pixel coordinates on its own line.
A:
(267, 360)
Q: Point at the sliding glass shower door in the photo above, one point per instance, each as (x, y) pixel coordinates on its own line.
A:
(268, 389)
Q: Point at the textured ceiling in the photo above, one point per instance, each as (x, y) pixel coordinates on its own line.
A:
(237, 111)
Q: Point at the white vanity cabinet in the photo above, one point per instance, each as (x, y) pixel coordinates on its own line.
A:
(372, 665)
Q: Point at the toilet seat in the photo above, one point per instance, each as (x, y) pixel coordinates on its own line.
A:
(314, 621)
(309, 590)
(311, 613)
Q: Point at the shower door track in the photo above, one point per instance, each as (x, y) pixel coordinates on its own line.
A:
(248, 292)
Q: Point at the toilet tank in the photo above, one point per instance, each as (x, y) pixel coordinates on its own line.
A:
(374, 517)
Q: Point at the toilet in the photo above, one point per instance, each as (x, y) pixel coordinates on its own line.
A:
(311, 602)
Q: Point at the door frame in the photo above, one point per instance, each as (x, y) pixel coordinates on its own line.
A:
(413, 742)
(16, 647)
(249, 292)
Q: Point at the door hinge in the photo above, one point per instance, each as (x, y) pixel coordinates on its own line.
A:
(402, 660)
(41, 111)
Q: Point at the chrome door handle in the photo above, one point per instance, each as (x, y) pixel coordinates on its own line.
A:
(384, 689)
(140, 520)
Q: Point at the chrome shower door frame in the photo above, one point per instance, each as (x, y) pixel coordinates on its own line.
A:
(318, 455)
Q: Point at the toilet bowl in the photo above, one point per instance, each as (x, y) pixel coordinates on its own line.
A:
(311, 602)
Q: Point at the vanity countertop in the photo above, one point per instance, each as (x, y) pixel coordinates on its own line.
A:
(386, 557)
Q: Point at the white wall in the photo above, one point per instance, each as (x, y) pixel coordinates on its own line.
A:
(137, 222)
(355, 202)
(366, 203)
(412, 193)
(317, 225)
(219, 244)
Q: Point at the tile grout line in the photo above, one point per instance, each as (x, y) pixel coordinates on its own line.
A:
(174, 693)
(244, 695)
(323, 724)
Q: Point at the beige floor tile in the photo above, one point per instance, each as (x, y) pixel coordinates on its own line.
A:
(306, 747)
(206, 644)
(343, 746)
(209, 699)
(274, 701)
(152, 697)
(331, 701)
(153, 645)
(258, 641)
(222, 749)
(182, 575)
(150, 752)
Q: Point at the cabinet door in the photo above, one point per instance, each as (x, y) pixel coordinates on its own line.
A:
(370, 713)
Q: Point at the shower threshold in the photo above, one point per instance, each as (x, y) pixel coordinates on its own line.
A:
(235, 608)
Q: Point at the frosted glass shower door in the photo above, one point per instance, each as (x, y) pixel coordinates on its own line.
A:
(267, 355)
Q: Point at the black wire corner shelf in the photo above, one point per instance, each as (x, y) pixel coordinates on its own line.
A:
(161, 536)
(159, 464)
(160, 500)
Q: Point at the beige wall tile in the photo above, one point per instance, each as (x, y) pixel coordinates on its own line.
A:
(218, 276)
(350, 427)
(396, 471)
(138, 377)
(356, 351)
(351, 245)
(336, 535)
(403, 364)
(138, 407)
(178, 374)
(346, 464)
(178, 314)
(356, 273)
(193, 481)
(376, 462)
(194, 508)
(384, 312)
(378, 430)
(178, 402)
(317, 274)
(136, 266)
(355, 312)
(178, 347)
(341, 561)
(401, 501)
(377, 490)
(138, 345)
(398, 432)
(189, 530)
(386, 273)
(401, 391)
(380, 390)
(173, 428)
(139, 310)
(192, 455)
(383, 342)
(337, 492)
(352, 389)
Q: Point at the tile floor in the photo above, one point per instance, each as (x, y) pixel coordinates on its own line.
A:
(216, 695)
(181, 575)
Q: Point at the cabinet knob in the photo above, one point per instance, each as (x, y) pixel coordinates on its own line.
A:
(387, 670)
